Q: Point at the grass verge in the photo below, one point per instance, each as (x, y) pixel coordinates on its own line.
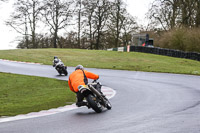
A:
(21, 94)
(133, 61)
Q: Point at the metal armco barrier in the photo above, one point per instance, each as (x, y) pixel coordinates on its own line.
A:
(166, 52)
(161, 51)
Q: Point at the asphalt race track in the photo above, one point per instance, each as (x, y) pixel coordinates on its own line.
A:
(144, 103)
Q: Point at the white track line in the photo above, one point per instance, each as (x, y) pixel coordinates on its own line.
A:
(109, 92)
(106, 90)
(20, 61)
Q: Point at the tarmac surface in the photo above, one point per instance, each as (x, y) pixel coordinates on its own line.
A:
(144, 103)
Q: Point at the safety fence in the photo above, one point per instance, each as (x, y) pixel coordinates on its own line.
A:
(159, 51)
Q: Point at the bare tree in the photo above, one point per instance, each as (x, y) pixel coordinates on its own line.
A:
(79, 4)
(105, 21)
(100, 23)
(187, 12)
(197, 14)
(129, 27)
(175, 13)
(57, 15)
(89, 12)
(101, 16)
(25, 19)
(164, 13)
(96, 14)
(117, 18)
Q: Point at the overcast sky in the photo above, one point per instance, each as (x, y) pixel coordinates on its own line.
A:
(137, 8)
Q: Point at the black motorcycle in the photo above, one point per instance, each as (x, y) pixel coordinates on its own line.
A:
(61, 68)
(95, 98)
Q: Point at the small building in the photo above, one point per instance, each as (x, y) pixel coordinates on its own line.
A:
(141, 40)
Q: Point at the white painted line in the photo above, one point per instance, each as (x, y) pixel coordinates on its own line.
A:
(109, 92)
(21, 62)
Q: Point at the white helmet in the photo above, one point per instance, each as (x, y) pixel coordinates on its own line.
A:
(56, 60)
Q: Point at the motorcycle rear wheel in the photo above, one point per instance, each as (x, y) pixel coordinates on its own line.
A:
(60, 73)
(94, 104)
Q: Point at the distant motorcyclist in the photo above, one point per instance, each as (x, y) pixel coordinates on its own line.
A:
(77, 78)
(56, 61)
(59, 66)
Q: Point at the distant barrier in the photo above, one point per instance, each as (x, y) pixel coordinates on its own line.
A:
(159, 51)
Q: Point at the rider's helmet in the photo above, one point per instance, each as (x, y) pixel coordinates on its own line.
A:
(79, 67)
(56, 60)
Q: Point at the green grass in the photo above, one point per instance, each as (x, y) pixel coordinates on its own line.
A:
(21, 94)
(133, 61)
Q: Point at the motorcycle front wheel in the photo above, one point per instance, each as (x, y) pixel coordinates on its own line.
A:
(93, 102)
(65, 71)
(108, 104)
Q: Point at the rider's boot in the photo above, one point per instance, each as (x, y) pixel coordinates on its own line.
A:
(79, 104)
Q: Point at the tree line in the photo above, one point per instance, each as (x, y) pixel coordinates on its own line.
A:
(91, 24)
(175, 24)
(101, 24)
(169, 14)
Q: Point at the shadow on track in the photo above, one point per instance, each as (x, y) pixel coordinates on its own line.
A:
(90, 113)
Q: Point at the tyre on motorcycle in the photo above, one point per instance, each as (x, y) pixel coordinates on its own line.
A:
(94, 104)
(65, 71)
(108, 104)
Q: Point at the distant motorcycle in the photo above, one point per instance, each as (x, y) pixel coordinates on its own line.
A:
(95, 98)
(61, 68)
